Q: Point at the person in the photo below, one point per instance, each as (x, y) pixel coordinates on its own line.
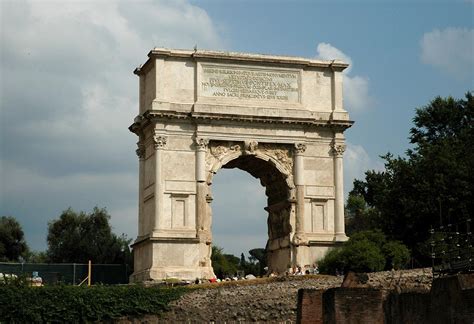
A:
(315, 268)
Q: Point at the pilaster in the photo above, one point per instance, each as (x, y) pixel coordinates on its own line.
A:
(141, 180)
(159, 142)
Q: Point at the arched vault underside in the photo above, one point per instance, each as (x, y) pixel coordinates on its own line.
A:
(281, 119)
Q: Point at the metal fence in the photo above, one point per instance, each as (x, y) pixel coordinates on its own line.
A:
(70, 273)
(452, 248)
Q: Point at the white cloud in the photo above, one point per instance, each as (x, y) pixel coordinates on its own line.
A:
(356, 163)
(450, 50)
(71, 96)
(356, 93)
(328, 52)
(356, 88)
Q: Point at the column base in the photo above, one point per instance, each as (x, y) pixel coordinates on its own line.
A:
(159, 274)
(341, 237)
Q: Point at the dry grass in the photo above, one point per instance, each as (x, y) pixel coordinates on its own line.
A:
(257, 281)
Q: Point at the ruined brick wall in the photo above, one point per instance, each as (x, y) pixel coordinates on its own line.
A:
(353, 305)
(451, 300)
(310, 306)
(408, 307)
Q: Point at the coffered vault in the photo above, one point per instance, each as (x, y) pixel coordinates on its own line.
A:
(279, 118)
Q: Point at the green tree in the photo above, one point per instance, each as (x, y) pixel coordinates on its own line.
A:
(36, 257)
(433, 184)
(79, 237)
(259, 256)
(223, 264)
(12, 240)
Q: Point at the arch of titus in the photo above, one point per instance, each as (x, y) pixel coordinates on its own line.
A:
(279, 118)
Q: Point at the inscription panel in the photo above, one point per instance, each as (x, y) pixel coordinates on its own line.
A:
(242, 83)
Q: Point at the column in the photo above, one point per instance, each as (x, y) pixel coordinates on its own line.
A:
(201, 189)
(338, 152)
(299, 237)
(159, 142)
(141, 169)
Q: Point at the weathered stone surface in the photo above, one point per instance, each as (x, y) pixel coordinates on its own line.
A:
(279, 118)
(273, 300)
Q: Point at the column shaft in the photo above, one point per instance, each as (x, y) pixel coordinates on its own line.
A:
(202, 227)
(300, 237)
(338, 150)
(299, 193)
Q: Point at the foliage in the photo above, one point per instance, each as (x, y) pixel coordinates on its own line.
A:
(81, 237)
(360, 215)
(81, 304)
(36, 257)
(259, 256)
(14, 280)
(12, 241)
(250, 267)
(223, 264)
(366, 251)
(396, 254)
(228, 264)
(432, 185)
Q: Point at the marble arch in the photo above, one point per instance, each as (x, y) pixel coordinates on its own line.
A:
(279, 118)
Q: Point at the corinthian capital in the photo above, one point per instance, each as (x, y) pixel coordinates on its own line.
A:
(338, 149)
(202, 143)
(159, 141)
(300, 148)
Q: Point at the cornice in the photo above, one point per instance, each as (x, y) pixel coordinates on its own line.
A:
(241, 58)
(153, 115)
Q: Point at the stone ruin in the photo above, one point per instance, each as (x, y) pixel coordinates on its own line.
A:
(279, 118)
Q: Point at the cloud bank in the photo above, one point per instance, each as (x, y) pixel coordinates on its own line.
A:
(70, 98)
(450, 50)
(356, 88)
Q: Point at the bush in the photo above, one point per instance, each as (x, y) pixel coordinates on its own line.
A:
(396, 254)
(366, 251)
(81, 304)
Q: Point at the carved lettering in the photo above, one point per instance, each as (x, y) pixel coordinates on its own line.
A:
(250, 84)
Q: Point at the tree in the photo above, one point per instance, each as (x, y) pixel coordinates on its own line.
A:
(12, 240)
(36, 257)
(433, 184)
(223, 264)
(259, 256)
(82, 237)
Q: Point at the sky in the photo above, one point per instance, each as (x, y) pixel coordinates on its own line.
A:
(68, 94)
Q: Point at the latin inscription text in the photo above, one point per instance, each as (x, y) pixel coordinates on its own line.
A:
(250, 84)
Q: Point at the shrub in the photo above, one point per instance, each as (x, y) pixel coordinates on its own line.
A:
(397, 255)
(365, 251)
(81, 304)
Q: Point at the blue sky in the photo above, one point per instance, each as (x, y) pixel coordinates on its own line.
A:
(67, 94)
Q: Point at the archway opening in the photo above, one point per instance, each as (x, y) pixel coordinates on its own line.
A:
(239, 222)
(278, 207)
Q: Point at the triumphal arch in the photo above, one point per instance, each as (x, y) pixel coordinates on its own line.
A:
(279, 118)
